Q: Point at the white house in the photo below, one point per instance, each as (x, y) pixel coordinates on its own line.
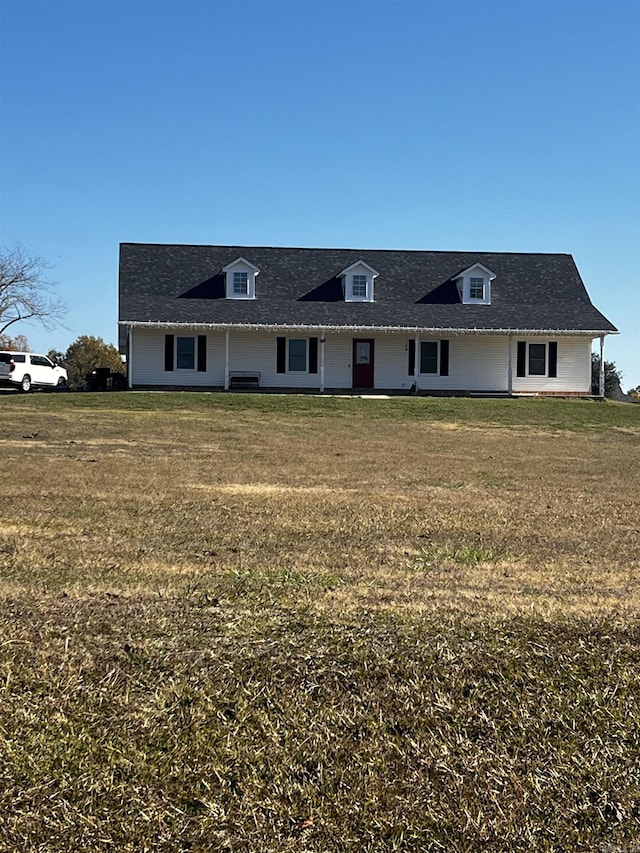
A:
(328, 320)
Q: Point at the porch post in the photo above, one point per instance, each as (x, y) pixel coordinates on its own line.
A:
(226, 360)
(510, 377)
(601, 378)
(322, 343)
(416, 363)
(130, 358)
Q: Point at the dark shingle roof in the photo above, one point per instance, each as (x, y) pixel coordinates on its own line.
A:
(299, 287)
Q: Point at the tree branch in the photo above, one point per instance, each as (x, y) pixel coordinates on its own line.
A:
(25, 291)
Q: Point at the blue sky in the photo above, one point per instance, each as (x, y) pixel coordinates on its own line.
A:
(498, 126)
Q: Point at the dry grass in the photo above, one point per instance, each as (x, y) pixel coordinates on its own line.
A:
(259, 623)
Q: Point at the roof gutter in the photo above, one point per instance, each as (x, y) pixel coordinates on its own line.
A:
(359, 329)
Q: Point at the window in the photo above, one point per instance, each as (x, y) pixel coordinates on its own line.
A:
(297, 361)
(359, 286)
(476, 288)
(429, 357)
(358, 282)
(537, 359)
(41, 361)
(240, 279)
(182, 354)
(296, 355)
(363, 352)
(185, 353)
(434, 357)
(474, 285)
(240, 283)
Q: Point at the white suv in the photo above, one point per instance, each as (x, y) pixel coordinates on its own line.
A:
(28, 370)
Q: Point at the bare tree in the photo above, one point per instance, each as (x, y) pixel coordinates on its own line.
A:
(18, 344)
(25, 291)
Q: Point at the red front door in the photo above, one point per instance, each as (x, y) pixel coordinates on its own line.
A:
(363, 363)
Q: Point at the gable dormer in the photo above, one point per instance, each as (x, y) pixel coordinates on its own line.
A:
(474, 285)
(357, 282)
(240, 279)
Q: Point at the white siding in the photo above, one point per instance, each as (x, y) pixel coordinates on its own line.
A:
(391, 365)
(257, 351)
(574, 367)
(476, 363)
(337, 361)
(147, 364)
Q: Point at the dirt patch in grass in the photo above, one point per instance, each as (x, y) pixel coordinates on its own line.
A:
(317, 625)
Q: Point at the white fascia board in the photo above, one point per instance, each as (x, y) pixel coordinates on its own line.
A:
(414, 330)
(491, 275)
(374, 273)
(242, 261)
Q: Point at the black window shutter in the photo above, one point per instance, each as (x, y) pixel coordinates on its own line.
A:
(168, 352)
(313, 355)
(522, 359)
(553, 359)
(202, 353)
(412, 357)
(444, 358)
(281, 355)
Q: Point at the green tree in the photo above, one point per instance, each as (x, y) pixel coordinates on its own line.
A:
(25, 291)
(612, 377)
(56, 356)
(85, 354)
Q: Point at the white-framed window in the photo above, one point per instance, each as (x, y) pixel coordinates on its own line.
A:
(476, 287)
(537, 359)
(358, 282)
(432, 357)
(297, 355)
(240, 279)
(240, 283)
(359, 286)
(185, 353)
(429, 356)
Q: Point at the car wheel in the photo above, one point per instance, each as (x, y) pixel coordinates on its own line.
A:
(62, 382)
(25, 385)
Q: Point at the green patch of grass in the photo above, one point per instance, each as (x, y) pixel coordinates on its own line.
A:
(553, 414)
(436, 555)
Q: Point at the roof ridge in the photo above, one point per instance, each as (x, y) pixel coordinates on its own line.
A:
(347, 249)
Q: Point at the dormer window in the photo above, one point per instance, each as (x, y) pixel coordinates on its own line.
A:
(240, 279)
(359, 286)
(240, 283)
(474, 285)
(358, 282)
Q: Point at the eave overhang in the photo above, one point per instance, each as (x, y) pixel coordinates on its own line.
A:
(360, 328)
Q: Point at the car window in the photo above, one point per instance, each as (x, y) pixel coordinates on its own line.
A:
(5, 357)
(40, 361)
(18, 358)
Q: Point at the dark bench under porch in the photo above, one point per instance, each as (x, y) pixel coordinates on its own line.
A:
(244, 379)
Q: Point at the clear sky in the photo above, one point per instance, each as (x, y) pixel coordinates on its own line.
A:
(497, 125)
